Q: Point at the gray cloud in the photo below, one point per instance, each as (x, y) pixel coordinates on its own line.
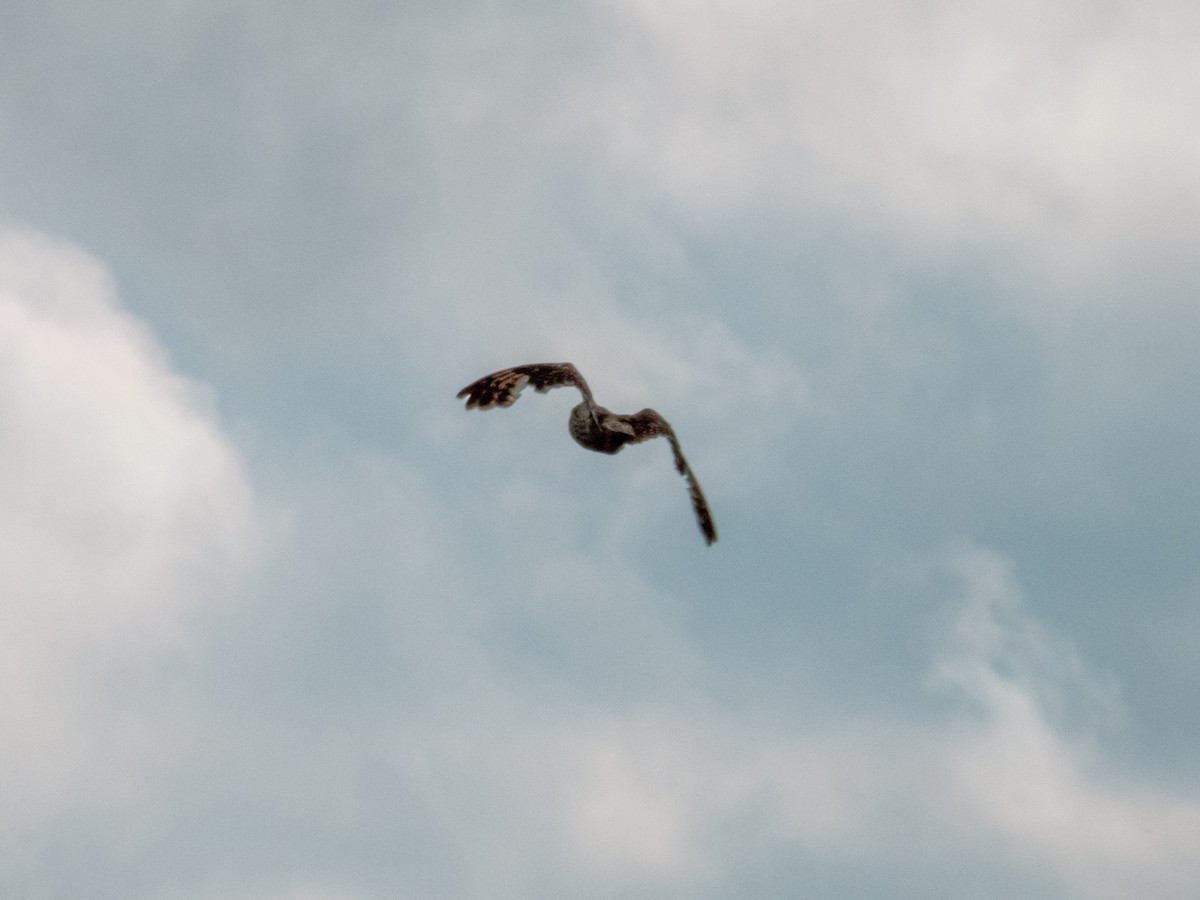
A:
(902, 278)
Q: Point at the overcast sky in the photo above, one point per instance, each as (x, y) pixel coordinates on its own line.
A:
(915, 282)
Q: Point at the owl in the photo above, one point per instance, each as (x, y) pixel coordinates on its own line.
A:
(592, 426)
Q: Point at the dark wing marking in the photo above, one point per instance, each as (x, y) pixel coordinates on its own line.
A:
(648, 424)
(502, 388)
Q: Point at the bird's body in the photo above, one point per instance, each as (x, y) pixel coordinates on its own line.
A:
(591, 426)
(587, 426)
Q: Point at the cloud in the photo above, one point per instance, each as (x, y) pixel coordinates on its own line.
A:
(552, 783)
(1020, 768)
(1012, 779)
(475, 664)
(1023, 120)
(121, 506)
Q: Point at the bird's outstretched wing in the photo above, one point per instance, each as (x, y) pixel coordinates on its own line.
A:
(502, 388)
(648, 424)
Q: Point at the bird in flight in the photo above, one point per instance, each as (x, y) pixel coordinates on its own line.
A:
(592, 426)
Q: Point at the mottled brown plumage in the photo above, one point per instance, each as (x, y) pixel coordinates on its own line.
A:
(592, 426)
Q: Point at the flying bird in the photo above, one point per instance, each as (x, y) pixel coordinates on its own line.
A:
(592, 426)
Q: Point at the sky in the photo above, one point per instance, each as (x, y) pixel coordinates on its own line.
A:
(915, 283)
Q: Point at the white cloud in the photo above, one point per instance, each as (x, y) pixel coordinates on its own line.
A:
(627, 812)
(1044, 787)
(1013, 779)
(121, 503)
(1052, 126)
